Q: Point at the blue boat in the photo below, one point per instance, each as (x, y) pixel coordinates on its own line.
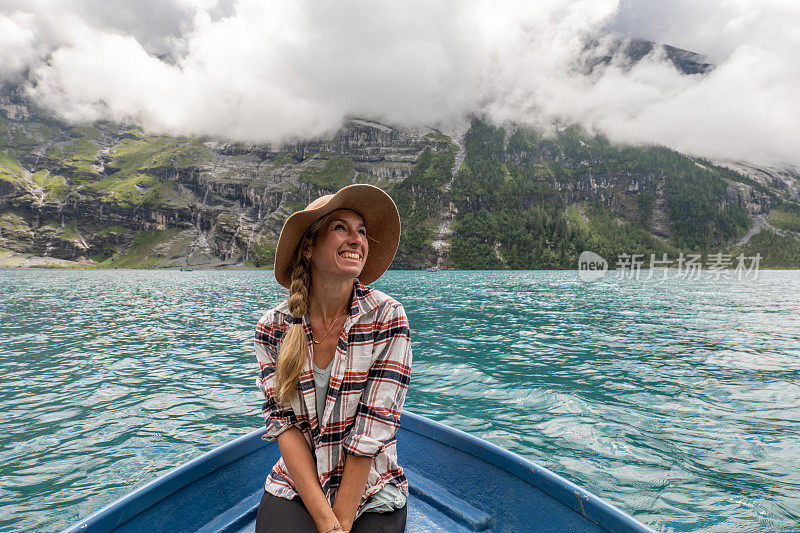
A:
(458, 483)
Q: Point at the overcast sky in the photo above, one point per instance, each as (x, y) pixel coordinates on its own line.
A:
(267, 71)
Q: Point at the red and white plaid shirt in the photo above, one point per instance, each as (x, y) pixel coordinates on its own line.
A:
(369, 379)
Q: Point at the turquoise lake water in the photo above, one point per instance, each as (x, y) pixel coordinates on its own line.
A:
(677, 400)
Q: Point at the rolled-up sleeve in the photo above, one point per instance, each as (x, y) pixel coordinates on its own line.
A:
(378, 414)
(278, 418)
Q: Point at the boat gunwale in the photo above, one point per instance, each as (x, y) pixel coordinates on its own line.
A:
(178, 477)
(574, 497)
(562, 490)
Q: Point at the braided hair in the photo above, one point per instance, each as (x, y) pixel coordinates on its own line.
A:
(293, 350)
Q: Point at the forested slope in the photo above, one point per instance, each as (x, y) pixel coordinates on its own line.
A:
(470, 196)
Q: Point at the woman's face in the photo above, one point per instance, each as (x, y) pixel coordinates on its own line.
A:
(341, 248)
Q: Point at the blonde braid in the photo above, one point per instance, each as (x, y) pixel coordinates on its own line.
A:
(293, 350)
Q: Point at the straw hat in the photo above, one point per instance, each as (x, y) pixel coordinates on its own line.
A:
(380, 217)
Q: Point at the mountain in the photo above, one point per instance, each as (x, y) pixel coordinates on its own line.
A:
(628, 52)
(470, 196)
(113, 195)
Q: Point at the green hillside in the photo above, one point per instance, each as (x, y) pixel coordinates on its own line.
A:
(110, 195)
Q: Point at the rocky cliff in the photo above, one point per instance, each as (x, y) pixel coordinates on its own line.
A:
(72, 192)
(112, 195)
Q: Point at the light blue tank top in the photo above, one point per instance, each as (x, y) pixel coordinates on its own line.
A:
(389, 497)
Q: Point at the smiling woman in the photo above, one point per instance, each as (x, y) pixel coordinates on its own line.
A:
(333, 402)
(342, 246)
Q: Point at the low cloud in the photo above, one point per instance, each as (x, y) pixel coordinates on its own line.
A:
(268, 71)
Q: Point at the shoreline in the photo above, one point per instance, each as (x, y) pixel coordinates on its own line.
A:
(244, 267)
(16, 261)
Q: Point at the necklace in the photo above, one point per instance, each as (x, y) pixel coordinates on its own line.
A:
(329, 329)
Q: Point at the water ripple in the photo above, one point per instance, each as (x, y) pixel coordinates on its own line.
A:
(676, 400)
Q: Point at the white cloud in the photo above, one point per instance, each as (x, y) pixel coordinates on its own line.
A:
(17, 44)
(265, 70)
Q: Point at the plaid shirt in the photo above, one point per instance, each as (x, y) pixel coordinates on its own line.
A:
(369, 378)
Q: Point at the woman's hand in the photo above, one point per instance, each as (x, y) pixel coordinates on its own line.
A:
(334, 529)
(346, 523)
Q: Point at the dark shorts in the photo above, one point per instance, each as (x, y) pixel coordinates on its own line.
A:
(279, 515)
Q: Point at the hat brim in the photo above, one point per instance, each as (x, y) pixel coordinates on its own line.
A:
(380, 216)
